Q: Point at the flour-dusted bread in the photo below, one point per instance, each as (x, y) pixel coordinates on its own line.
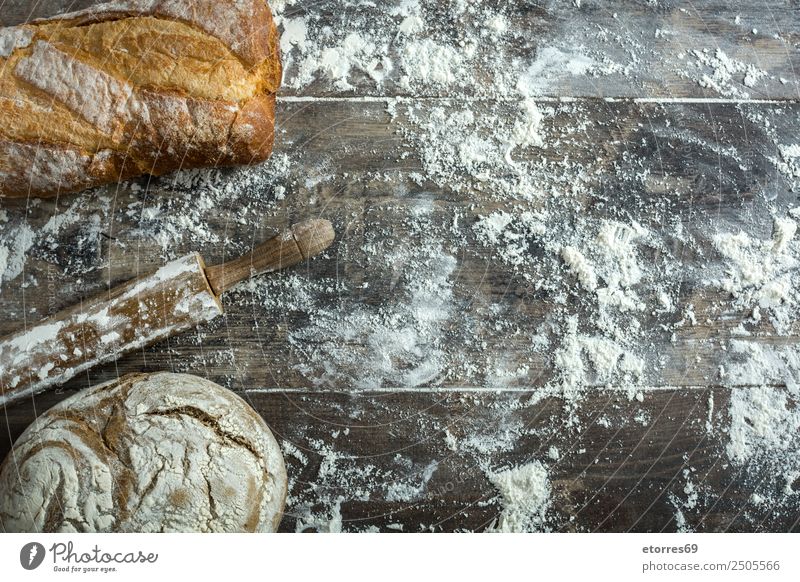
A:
(135, 87)
(146, 453)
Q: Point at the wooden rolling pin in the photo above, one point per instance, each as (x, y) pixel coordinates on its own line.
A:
(176, 298)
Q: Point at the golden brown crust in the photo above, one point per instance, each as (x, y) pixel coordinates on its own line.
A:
(246, 27)
(133, 87)
(51, 169)
(199, 132)
(252, 131)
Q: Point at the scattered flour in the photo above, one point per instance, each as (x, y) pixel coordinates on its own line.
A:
(724, 75)
(763, 273)
(687, 504)
(788, 162)
(400, 491)
(428, 62)
(525, 493)
(764, 433)
(406, 47)
(764, 422)
(327, 523)
(580, 267)
(552, 63)
(399, 343)
(13, 257)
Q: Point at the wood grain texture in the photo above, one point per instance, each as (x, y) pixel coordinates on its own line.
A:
(635, 46)
(713, 193)
(635, 49)
(300, 243)
(708, 166)
(624, 477)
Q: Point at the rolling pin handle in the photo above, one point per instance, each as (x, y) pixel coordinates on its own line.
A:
(299, 243)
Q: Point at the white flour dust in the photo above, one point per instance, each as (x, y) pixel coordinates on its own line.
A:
(611, 284)
(762, 275)
(765, 419)
(717, 71)
(525, 491)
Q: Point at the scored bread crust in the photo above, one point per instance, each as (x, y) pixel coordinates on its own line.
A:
(135, 87)
(241, 25)
(145, 453)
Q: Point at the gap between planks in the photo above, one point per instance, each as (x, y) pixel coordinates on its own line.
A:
(545, 393)
(655, 100)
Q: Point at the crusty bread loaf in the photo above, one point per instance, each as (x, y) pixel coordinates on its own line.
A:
(146, 453)
(135, 87)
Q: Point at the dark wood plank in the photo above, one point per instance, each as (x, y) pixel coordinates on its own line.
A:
(284, 331)
(419, 461)
(613, 48)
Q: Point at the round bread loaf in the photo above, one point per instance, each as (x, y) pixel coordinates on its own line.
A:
(145, 453)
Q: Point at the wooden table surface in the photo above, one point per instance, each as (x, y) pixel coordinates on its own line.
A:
(382, 451)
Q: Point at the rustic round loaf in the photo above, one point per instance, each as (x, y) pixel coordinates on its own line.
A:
(145, 453)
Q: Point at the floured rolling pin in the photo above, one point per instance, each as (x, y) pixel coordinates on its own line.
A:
(176, 298)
